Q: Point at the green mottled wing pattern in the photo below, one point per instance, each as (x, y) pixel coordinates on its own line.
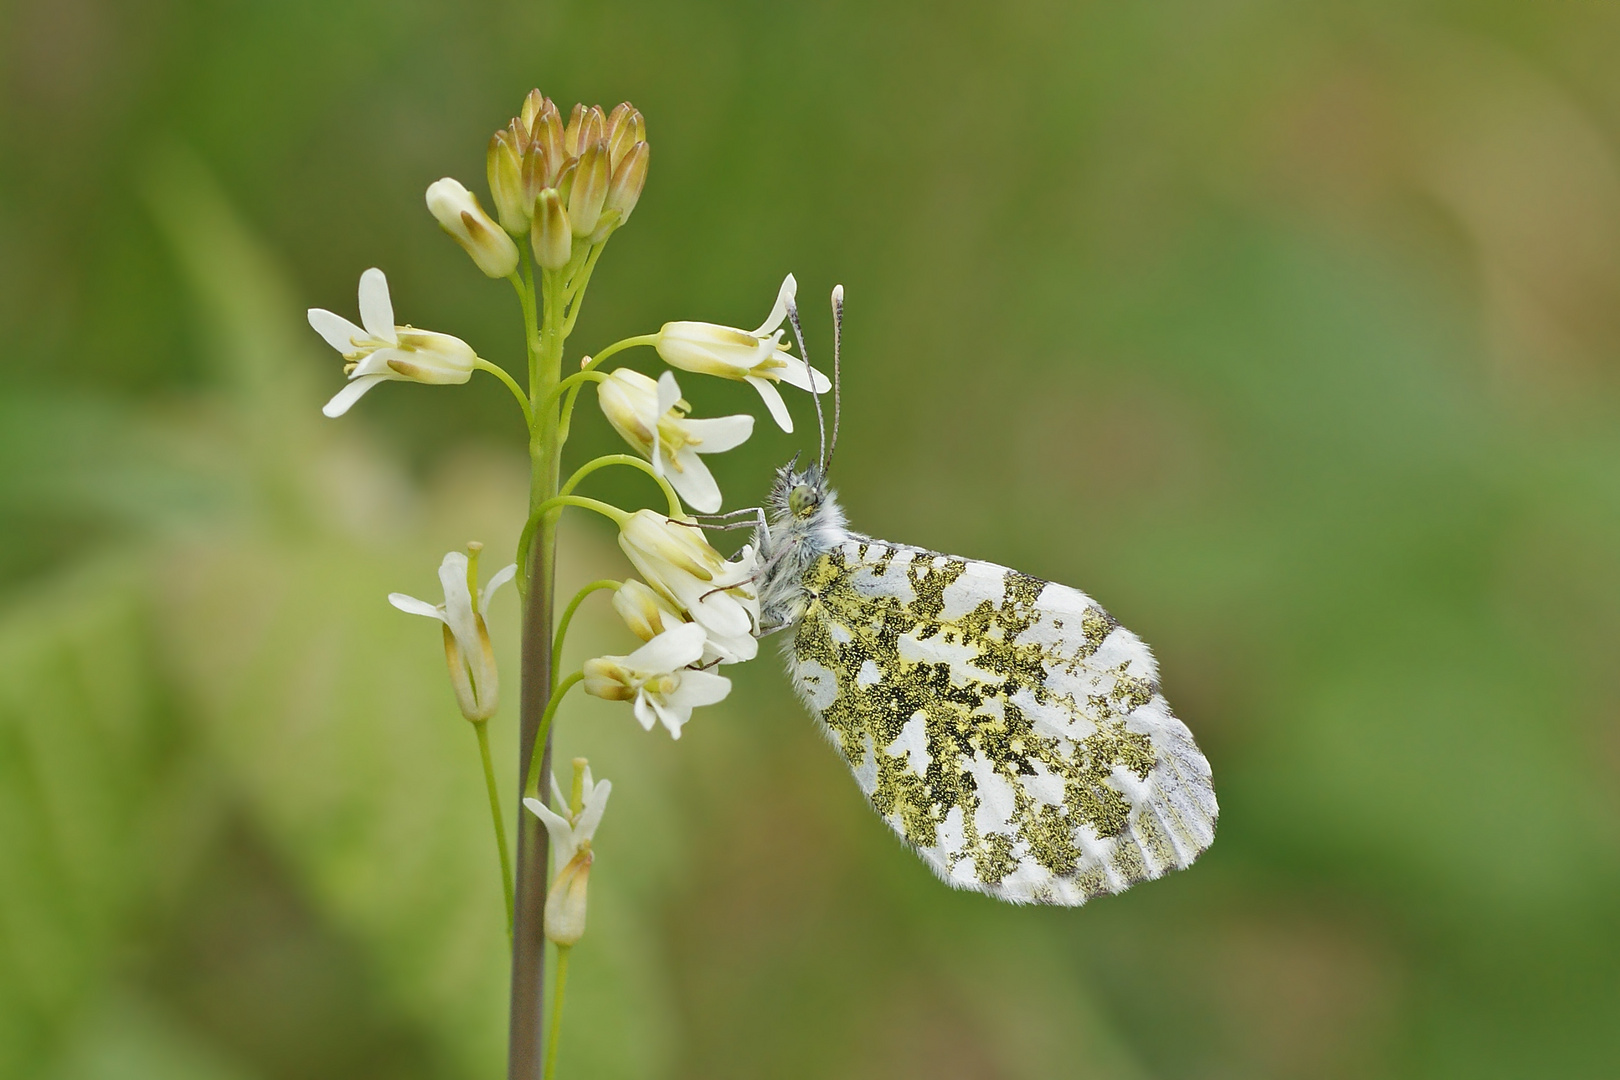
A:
(1005, 726)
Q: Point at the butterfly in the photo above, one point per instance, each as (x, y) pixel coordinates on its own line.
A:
(1008, 728)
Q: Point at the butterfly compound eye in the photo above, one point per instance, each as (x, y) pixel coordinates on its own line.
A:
(802, 500)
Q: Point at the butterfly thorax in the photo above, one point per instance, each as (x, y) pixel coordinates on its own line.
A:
(804, 522)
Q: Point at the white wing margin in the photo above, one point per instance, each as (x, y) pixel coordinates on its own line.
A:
(1005, 726)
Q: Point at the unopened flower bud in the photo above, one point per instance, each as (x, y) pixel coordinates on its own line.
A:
(546, 136)
(536, 175)
(608, 679)
(585, 126)
(459, 214)
(534, 103)
(629, 176)
(550, 234)
(625, 128)
(566, 902)
(589, 189)
(565, 180)
(505, 167)
(645, 612)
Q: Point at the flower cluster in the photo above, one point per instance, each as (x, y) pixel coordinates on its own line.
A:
(694, 612)
(558, 190)
(567, 185)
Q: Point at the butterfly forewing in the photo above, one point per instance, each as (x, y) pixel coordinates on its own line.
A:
(1005, 726)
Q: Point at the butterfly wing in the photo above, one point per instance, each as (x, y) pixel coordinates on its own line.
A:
(1005, 726)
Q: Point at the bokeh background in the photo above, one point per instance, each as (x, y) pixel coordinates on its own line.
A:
(1289, 331)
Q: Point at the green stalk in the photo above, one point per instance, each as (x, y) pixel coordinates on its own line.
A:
(544, 342)
(548, 316)
(568, 617)
(482, 728)
(556, 1009)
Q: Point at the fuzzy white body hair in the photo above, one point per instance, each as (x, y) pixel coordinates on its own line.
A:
(789, 541)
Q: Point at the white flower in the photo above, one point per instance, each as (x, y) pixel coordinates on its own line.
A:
(459, 214)
(656, 678)
(466, 638)
(679, 564)
(647, 615)
(382, 351)
(756, 357)
(569, 834)
(652, 418)
(571, 856)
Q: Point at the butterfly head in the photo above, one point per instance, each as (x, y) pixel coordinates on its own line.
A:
(797, 494)
(802, 502)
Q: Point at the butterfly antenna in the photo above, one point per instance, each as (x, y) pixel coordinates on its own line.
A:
(838, 349)
(798, 334)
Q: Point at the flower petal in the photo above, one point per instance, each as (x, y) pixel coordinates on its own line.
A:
(721, 614)
(784, 296)
(335, 330)
(669, 392)
(721, 433)
(591, 816)
(694, 483)
(699, 688)
(502, 576)
(644, 712)
(773, 402)
(796, 372)
(376, 309)
(350, 394)
(412, 606)
(558, 796)
(669, 651)
(672, 717)
(563, 844)
(458, 609)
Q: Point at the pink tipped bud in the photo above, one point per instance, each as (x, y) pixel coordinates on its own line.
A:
(625, 128)
(589, 189)
(550, 235)
(504, 163)
(629, 177)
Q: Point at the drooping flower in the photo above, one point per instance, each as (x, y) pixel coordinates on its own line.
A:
(678, 562)
(657, 680)
(648, 614)
(756, 357)
(571, 854)
(467, 649)
(652, 418)
(379, 351)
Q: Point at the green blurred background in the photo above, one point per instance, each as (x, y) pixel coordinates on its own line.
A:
(1289, 331)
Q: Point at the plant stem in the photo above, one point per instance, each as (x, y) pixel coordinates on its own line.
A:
(605, 460)
(545, 344)
(619, 346)
(561, 635)
(538, 769)
(556, 1010)
(574, 382)
(546, 511)
(511, 384)
(482, 728)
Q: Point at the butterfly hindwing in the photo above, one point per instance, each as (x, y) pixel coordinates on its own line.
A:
(1005, 726)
